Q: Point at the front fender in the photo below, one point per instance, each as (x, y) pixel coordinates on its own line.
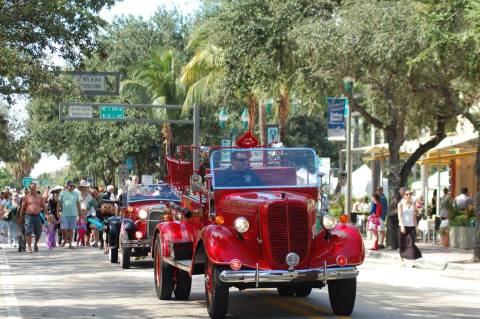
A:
(114, 224)
(171, 233)
(345, 240)
(129, 227)
(223, 244)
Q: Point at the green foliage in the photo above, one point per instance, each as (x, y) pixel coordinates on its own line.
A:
(30, 30)
(310, 131)
(98, 148)
(6, 179)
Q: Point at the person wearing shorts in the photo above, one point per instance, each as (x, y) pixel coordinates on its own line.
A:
(32, 205)
(69, 205)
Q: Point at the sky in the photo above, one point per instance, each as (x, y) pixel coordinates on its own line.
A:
(137, 8)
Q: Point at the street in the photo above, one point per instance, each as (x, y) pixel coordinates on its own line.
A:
(80, 283)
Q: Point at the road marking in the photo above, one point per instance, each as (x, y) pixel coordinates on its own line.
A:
(288, 306)
(298, 306)
(9, 298)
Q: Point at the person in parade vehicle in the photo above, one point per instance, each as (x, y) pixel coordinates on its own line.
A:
(239, 173)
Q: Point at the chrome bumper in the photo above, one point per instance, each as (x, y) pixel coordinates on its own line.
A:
(285, 276)
(137, 243)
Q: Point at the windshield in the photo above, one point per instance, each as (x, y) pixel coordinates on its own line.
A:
(263, 168)
(142, 192)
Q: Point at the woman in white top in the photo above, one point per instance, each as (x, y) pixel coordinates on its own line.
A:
(407, 220)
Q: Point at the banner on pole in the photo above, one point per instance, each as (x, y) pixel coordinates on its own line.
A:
(336, 119)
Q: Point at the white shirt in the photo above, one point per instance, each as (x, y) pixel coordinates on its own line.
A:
(407, 214)
(463, 201)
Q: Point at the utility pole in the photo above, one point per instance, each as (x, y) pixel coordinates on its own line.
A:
(348, 86)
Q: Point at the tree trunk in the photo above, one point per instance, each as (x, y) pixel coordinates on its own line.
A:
(283, 113)
(262, 123)
(395, 180)
(476, 245)
(252, 110)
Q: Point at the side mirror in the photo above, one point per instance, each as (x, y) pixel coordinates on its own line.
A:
(196, 184)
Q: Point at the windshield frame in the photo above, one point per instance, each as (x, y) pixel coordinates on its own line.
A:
(145, 198)
(270, 149)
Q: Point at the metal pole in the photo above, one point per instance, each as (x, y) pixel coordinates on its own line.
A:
(196, 136)
(348, 193)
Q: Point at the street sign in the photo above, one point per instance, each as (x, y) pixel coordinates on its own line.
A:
(26, 181)
(130, 162)
(80, 112)
(91, 82)
(112, 112)
(336, 119)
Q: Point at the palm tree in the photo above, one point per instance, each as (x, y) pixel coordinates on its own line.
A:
(24, 161)
(203, 74)
(157, 76)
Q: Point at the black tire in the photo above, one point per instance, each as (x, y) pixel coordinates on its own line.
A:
(286, 291)
(216, 292)
(163, 273)
(125, 260)
(113, 254)
(303, 291)
(183, 286)
(342, 295)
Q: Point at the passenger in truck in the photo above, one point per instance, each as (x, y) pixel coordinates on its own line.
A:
(239, 174)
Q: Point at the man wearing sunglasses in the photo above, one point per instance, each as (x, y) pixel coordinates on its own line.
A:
(239, 174)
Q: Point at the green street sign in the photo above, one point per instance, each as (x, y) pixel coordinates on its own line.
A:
(112, 112)
(26, 181)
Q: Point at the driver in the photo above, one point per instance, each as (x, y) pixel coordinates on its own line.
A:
(239, 173)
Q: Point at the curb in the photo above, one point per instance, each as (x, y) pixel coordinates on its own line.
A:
(425, 263)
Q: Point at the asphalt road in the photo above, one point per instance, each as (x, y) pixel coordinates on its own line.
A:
(81, 283)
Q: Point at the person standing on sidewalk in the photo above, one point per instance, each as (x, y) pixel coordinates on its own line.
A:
(408, 225)
(383, 217)
(32, 205)
(69, 205)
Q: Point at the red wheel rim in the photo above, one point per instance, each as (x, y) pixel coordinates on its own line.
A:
(208, 281)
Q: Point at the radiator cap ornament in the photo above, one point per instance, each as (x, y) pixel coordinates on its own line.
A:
(292, 260)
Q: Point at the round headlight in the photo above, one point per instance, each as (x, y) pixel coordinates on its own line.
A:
(241, 224)
(143, 214)
(329, 222)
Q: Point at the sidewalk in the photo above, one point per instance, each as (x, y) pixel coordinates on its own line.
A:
(434, 257)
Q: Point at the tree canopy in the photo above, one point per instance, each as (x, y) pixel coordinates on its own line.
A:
(32, 31)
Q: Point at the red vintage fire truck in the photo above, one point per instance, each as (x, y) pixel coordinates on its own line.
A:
(250, 222)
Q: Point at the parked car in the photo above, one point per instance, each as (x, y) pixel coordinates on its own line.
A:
(252, 224)
(143, 207)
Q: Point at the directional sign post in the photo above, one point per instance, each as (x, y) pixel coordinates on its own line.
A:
(96, 83)
(26, 181)
(112, 112)
(91, 82)
(80, 112)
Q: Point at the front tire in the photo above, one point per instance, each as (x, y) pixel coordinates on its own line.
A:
(125, 260)
(163, 273)
(342, 295)
(183, 286)
(113, 254)
(216, 292)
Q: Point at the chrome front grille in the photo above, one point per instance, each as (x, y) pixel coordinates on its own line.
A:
(287, 231)
(153, 219)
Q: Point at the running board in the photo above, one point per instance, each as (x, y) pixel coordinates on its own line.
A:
(181, 264)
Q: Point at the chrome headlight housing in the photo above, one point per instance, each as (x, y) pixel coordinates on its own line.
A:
(142, 214)
(241, 224)
(329, 222)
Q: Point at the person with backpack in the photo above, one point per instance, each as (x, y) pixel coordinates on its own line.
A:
(9, 214)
